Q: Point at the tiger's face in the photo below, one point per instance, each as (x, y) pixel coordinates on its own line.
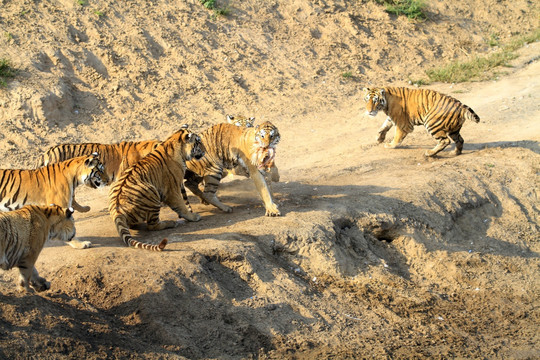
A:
(96, 177)
(193, 146)
(241, 121)
(62, 224)
(266, 139)
(375, 99)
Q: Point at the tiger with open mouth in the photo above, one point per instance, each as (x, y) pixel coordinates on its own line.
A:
(229, 146)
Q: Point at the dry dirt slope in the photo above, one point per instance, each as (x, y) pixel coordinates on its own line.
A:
(388, 256)
(379, 253)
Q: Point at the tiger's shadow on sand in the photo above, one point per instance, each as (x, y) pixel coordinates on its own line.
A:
(468, 148)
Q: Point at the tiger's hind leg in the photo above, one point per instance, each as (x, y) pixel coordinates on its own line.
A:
(456, 137)
(443, 142)
(208, 195)
(29, 279)
(192, 182)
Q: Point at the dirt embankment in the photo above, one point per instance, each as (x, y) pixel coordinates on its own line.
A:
(379, 253)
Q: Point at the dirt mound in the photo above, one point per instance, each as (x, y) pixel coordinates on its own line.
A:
(379, 253)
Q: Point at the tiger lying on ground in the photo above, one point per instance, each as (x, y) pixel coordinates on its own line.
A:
(52, 184)
(271, 172)
(442, 115)
(228, 146)
(115, 157)
(23, 233)
(157, 178)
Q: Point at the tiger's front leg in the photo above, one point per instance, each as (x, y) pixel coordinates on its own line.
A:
(398, 138)
(264, 192)
(177, 204)
(387, 125)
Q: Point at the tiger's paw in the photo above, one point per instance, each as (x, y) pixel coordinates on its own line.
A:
(390, 146)
(78, 244)
(381, 138)
(41, 285)
(273, 211)
(192, 216)
(225, 208)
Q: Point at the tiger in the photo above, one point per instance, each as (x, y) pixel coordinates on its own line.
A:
(442, 115)
(23, 233)
(52, 184)
(241, 121)
(155, 179)
(271, 173)
(115, 157)
(228, 146)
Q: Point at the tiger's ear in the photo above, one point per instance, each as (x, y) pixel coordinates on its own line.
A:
(381, 91)
(69, 212)
(185, 126)
(230, 119)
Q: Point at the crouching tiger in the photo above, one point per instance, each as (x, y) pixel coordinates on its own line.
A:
(442, 115)
(52, 184)
(157, 178)
(23, 233)
(228, 146)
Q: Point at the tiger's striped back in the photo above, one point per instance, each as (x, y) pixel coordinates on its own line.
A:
(138, 194)
(51, 184)
(442, 115)
(115, 157)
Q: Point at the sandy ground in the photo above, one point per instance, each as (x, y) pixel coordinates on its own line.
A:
(379, 253)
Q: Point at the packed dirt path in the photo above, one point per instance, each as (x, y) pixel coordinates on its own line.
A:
(380, 253)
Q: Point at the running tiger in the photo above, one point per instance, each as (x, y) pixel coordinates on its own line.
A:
(23, 233)
(228, 146)
(442, 115)
(157, 178)
(271, 173)
(115, 157)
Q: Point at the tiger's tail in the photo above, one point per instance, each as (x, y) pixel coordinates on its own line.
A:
(471, 115)
(123, 230)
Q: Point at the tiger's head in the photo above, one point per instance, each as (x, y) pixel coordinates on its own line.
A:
(375, 99)
(241, 121)
(62, 222)
(94, 172)
(193, 147)
(266, 139)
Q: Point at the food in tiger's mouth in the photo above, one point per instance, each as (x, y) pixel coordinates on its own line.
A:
(266, 157)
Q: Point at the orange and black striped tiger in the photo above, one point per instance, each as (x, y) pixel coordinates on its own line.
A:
(23, 233)
(442, 115)
(115, 157)
(154, 180)
(228, 146)
(271, 173)
(52, 184)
